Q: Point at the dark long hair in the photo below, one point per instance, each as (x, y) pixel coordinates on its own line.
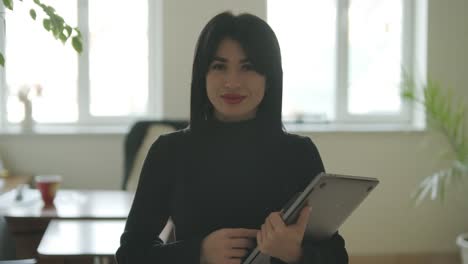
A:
(261, 46)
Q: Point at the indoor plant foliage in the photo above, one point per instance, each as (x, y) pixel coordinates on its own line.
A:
(53, 23)
(445, 114)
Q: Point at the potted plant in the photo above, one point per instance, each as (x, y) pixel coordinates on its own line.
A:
(53, 23)
(445, 114)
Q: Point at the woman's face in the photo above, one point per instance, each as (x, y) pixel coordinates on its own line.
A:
(234, 89)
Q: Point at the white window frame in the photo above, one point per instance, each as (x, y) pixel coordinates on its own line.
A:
(341, 106)
(155, 92)
(2, 72)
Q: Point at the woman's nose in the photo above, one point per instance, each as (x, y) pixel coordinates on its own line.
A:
(232, 79)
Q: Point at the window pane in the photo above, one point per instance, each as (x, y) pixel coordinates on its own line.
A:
(118, 57)
(35, 59)
(375, 40)
(306, 32)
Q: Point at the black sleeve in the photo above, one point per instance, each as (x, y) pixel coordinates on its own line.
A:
(330, 251)
(140, 242)
(312, 160)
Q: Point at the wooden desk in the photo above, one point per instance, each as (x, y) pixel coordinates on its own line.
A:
(408, 258)
(81, 238)
(28, 219)
(11, 182)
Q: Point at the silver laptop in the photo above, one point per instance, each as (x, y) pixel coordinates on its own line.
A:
(332, 198)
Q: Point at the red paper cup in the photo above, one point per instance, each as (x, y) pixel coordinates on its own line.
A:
(48, 186)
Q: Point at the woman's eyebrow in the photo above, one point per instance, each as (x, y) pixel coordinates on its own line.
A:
(221, 59)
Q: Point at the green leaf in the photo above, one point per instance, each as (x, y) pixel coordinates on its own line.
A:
(459, 118)
(77, 45)
(422, 190)
(435, 185)
(69, 31)
(2, 60)
(50, 9)
(77, 30)
(56, 31)
(37, 2)
(32, 13)
(63, 38)
(446, 178)
(407, 93)
(8, 4)
(46, 24)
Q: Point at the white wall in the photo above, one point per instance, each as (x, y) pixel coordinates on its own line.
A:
(386, 223)
(84, 161)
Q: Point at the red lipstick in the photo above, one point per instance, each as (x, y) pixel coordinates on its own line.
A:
(232, 98)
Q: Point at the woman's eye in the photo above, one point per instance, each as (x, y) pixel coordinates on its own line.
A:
(247, 67)
(218, 66)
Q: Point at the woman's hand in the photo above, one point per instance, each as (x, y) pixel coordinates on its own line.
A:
(278, 240)
(227, 246)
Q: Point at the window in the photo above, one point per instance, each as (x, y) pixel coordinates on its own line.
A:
(108, 83)
(35, 59)
(342, 59)
(118, 58)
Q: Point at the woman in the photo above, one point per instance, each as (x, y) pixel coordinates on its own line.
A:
(224, 179)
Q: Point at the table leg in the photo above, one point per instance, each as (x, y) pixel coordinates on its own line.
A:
(102, 260)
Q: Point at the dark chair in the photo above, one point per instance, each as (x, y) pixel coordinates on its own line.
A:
(137, 142)
(7, 246)
(134, 140)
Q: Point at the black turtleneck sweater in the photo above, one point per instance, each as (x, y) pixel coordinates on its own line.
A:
(230, 176)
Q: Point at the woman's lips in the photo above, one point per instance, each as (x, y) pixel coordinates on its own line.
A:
(233, 98)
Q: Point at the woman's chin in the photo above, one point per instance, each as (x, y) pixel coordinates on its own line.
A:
(234, 116)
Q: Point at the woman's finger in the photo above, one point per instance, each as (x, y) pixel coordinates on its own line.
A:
(269, 226)
(276, 221)
(233, 261)
(237, 253)
(240, 232)
(260, 240)
(242, 243)
(265, 234)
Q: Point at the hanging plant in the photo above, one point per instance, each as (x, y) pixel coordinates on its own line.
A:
(53, 23)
